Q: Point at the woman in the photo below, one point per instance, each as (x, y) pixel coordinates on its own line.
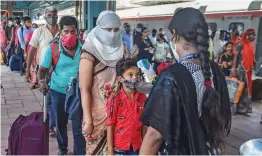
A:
(145, 46)
(97, 77)
(226, 59)
(244, 59)
(33, 68)
(161, 51)
(188, 110)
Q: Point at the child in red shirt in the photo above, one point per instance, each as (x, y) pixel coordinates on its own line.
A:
(124, 108)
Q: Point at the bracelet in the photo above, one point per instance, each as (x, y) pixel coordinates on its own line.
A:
(233, 69)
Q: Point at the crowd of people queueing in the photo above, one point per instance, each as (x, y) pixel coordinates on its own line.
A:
(187, 110)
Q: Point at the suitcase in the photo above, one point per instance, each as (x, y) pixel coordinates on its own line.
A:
(29, 134)
(14, 63)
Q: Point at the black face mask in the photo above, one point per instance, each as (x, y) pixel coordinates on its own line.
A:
(128, 31)
(153, 34)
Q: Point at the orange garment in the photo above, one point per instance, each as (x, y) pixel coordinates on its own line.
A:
(235, 40)
(248, 57)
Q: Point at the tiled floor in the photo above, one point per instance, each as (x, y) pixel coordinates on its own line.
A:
(17, 98)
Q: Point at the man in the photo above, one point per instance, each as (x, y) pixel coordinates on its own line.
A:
(244, 59)
(38, 44)
(153, 36)
(162, 31)
(14, 41)
(21, 33)
(69, 48)
(127, 38)
(9, 29)
(137, 33)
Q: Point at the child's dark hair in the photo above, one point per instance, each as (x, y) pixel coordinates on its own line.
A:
(161, 37)
(190, 24)
(229, 42)
(124, 64)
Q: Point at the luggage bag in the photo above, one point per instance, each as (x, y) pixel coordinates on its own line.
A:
(14, 63)
(29, 134)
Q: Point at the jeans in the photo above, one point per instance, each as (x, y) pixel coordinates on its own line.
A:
(50, 111)
(61, 120)
(22, 59)
(130, 152)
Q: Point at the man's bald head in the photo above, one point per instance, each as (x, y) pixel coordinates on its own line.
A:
(50, 9)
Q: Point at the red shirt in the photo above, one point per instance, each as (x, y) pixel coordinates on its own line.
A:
(124, 115)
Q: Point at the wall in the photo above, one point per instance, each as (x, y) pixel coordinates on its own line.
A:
(93, 10)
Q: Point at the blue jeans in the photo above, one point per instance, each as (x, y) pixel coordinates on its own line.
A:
(50, 112)
(22, 60)
(61, 120)
(130, 152)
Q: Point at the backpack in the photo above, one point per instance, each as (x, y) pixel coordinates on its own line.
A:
(55, 58)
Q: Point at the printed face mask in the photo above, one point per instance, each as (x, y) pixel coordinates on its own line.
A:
(130, 84)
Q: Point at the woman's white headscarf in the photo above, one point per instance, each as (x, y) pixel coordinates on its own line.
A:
(106, 46)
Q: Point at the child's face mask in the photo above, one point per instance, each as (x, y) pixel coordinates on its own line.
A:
(130, 84)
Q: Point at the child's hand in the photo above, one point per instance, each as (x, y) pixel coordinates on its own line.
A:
(87, 128)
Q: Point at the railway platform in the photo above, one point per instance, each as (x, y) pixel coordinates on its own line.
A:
(17, 98)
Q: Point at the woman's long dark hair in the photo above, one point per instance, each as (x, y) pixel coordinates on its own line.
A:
(190, 24)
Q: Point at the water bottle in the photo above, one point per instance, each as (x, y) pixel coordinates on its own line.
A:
(147, 69)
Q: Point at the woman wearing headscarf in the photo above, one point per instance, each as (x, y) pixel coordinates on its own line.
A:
(102, 49)
(188, 110)
(244, 59)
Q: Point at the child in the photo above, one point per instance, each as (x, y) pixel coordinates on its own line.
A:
(161, 51)
(124, 131)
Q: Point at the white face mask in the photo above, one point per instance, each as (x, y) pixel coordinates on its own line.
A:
(10, 23)
(209, 32)
(138, 29)
(108, 38)
(174, 51)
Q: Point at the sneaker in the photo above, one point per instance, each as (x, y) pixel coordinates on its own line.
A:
(65, 153)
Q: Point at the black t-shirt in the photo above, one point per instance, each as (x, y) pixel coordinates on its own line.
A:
(227, 58)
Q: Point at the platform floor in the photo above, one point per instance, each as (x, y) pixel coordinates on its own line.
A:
(17, 98)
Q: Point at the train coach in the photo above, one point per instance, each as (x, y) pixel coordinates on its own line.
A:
(222, 14)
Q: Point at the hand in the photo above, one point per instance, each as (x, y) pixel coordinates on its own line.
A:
(233, 72)
(87, 128)
(43, 85)
(27, 75)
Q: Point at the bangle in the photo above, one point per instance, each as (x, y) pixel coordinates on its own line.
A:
(233, 69)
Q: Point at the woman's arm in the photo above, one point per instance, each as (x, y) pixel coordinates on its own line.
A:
(151, 142)
(110, 139)
(85, 83)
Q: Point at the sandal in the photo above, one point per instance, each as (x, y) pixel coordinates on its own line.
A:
(52, 133)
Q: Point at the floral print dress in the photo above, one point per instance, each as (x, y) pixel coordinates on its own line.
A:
(104, 81)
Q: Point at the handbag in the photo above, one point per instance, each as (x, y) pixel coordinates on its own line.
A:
(235, 89)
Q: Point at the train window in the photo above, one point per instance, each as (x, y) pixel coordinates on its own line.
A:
(238, 25)
(213, 26)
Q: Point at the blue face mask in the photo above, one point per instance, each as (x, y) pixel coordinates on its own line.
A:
(33, 29)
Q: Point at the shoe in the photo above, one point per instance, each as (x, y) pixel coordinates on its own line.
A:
(52, 133)
(65, 153)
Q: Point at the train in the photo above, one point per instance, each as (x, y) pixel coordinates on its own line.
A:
(219, 14)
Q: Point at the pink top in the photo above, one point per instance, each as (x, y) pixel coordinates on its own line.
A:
(15, 34)
(3, 37)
